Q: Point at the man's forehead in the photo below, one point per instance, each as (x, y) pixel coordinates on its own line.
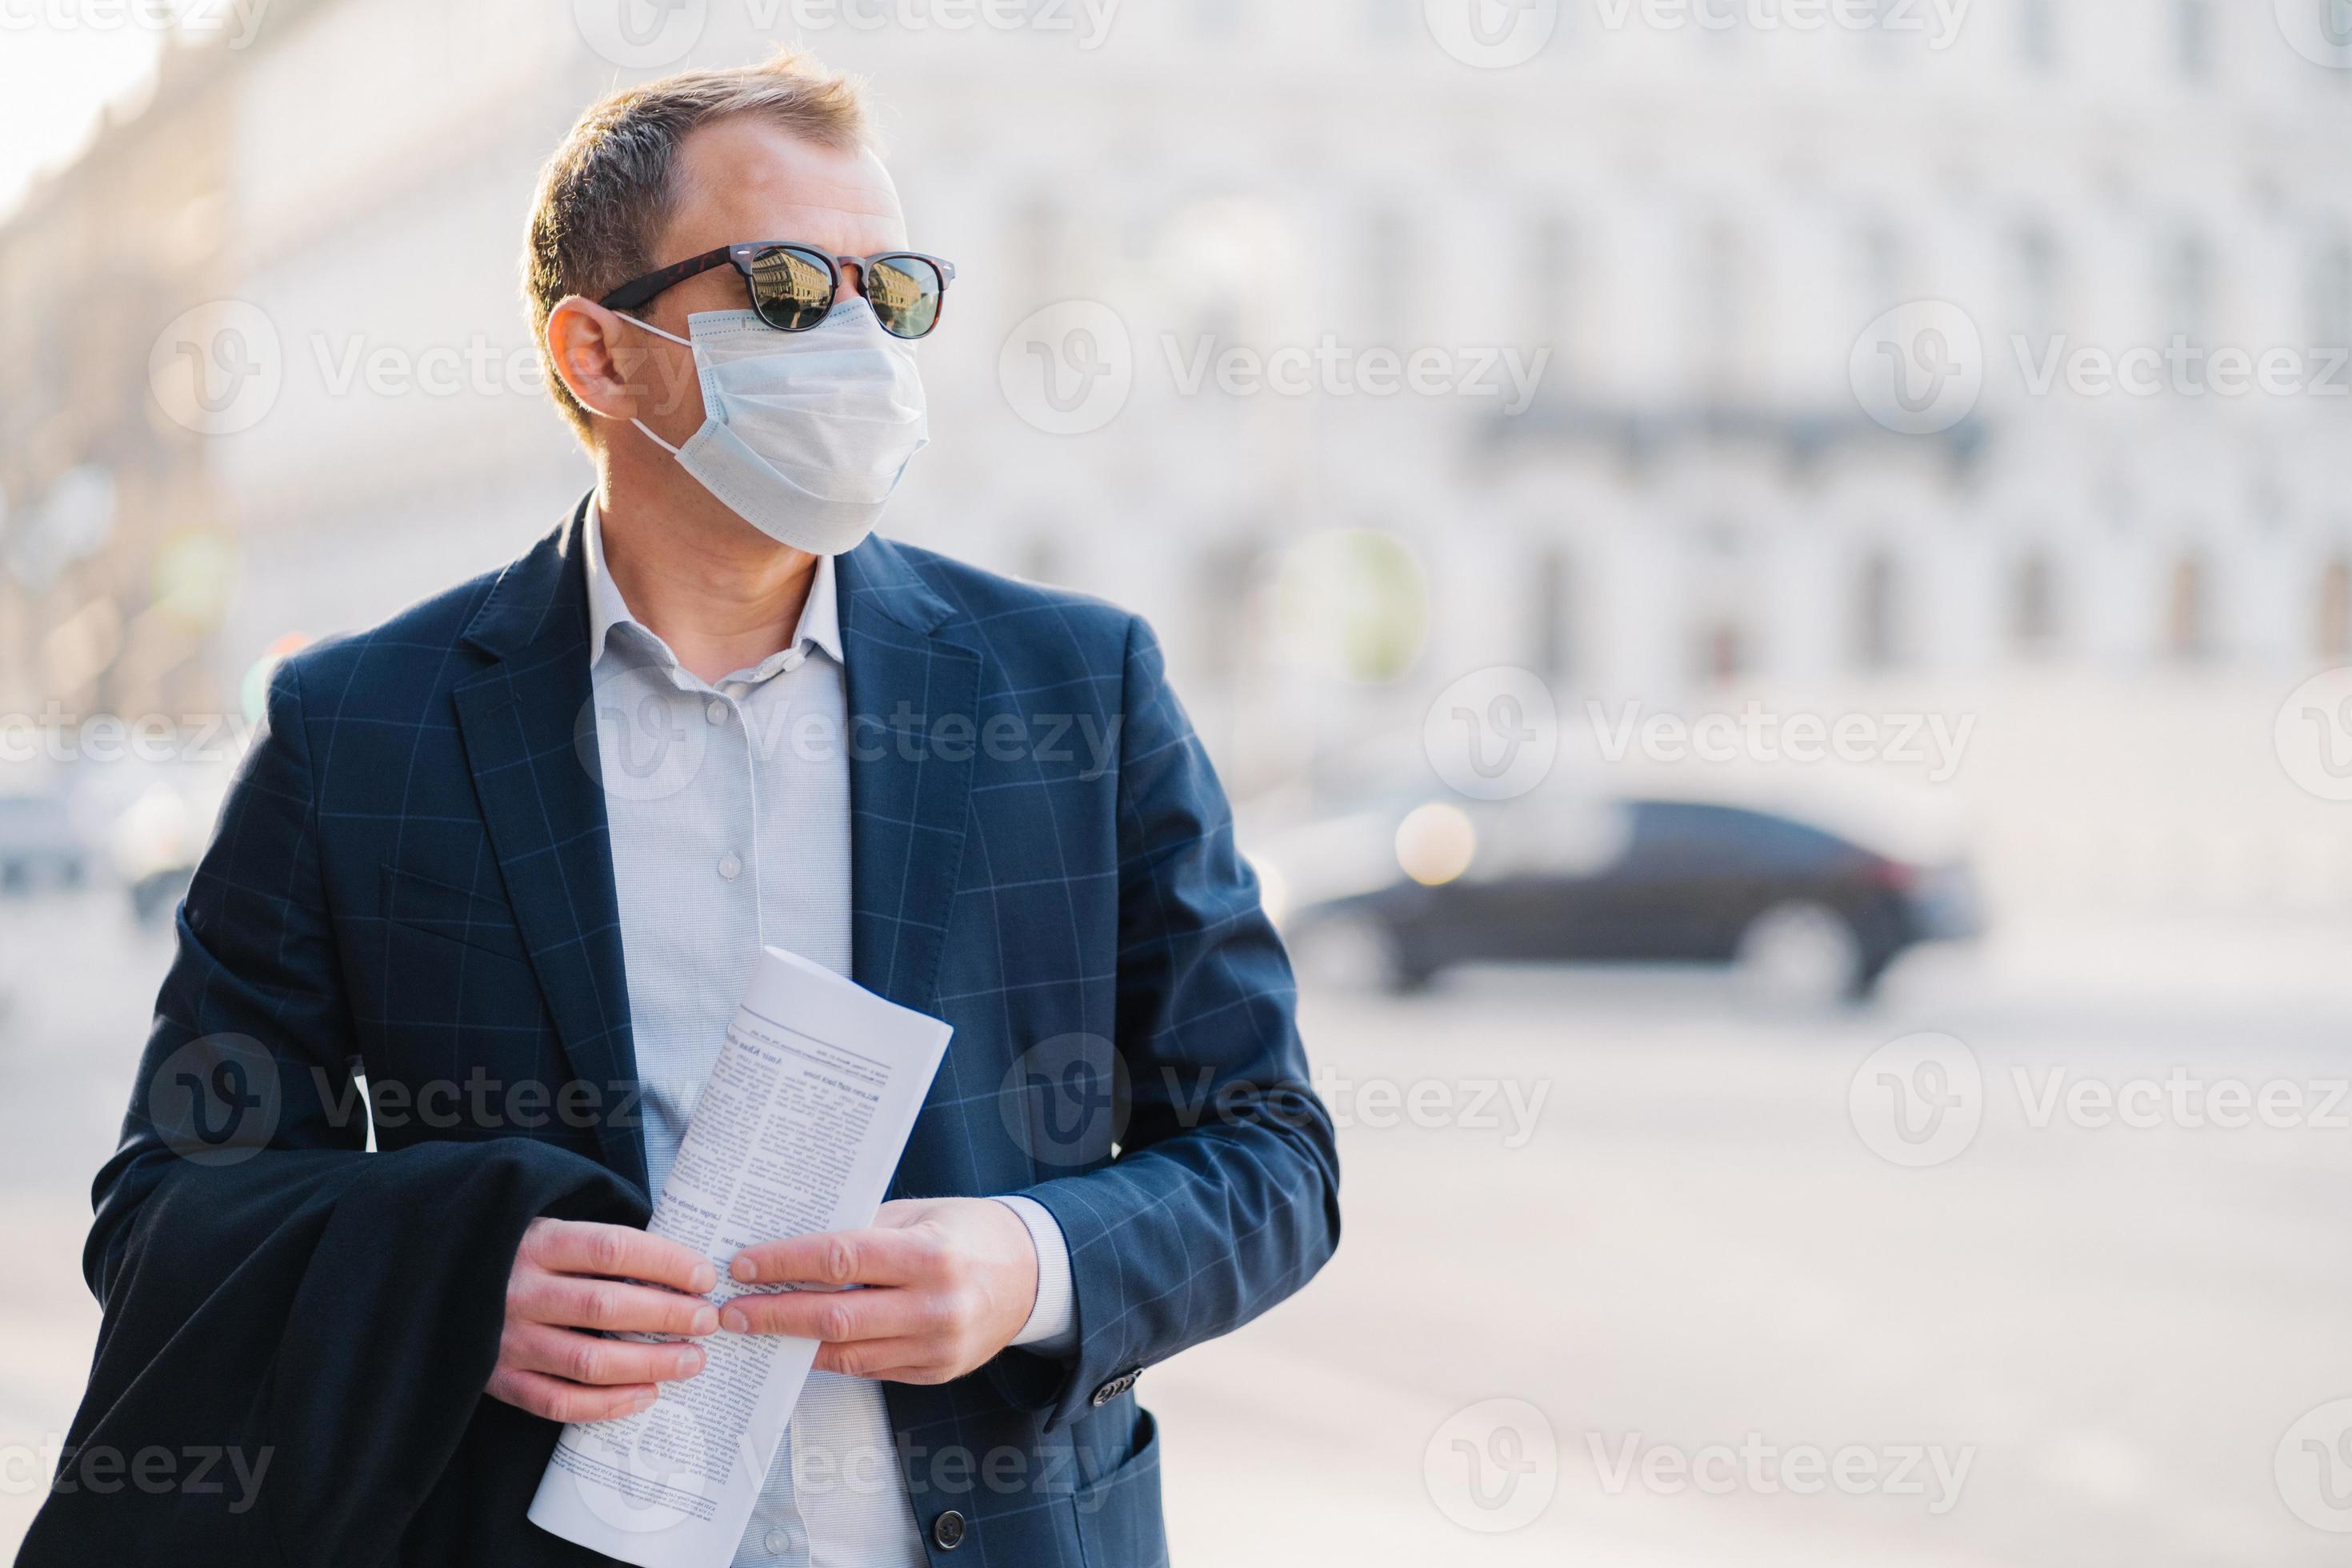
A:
(736, 178)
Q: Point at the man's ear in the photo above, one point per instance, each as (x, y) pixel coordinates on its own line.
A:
(608, 363)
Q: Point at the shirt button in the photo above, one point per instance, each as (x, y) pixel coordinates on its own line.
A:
(715, 711)
(778, 1540)
(731, 865)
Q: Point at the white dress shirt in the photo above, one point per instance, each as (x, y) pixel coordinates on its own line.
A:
(728, 808)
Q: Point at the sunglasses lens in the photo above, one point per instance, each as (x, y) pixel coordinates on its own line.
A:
(905, 294)
(792, 289)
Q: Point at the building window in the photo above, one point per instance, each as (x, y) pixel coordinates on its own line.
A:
(1388, 269)
(1228, 593)
(1547, 282)
(2192, 30)
(2188, 612)
(1881, 267)
(1722, 651)
(2187, 286)
(2037, 280)
(2037, 35)
(2335, 611)
(1216, 18)
(2033, 606)
(1877, 614)
(1037, 246)
(1390, 20)
(1720, 309)
(1041, 559)
(1552, 584)
(2331, 294)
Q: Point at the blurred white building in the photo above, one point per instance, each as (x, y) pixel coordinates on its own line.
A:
(1685, 215)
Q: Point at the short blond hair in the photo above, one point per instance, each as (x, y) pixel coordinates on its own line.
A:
(607, 194)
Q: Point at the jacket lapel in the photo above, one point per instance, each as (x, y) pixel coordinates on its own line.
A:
(911, 687)
(543, 803)
(913, 699)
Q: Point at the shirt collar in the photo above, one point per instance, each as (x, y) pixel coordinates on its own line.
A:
(819, 617)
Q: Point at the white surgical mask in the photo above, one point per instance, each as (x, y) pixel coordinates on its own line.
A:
(803, 433)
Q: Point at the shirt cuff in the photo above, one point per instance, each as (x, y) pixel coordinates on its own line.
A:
(1052, 1329)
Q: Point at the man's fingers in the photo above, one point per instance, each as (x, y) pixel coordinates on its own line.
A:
(838, 1316)
(885, 1361)
(557, 1400)
(617, 1252)
(876, 1256)
(590, 1358)
(569, 1301)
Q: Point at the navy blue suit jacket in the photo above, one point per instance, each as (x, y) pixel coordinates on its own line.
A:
(412, 879)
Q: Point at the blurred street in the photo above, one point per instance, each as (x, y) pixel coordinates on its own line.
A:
(1649, 1214)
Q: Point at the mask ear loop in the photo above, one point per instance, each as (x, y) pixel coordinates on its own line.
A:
(688, 343)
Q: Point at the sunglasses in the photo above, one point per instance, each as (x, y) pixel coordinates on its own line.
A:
(793, 287)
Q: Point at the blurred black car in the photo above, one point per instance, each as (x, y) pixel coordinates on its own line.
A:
(1809, 915)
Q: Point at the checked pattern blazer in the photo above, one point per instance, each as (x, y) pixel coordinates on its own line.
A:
(412, 878)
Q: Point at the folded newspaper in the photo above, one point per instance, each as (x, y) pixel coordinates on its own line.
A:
(798, 1129)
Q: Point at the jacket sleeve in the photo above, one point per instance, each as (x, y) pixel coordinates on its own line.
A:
(1223, 1198)
(251, 1044)
(310, 1323)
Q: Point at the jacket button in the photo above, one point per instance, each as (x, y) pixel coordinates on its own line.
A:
(1115, 1387)
(948, 1530)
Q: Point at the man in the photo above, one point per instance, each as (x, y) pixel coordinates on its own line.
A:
(511, 856)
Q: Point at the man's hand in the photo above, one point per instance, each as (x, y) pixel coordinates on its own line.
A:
(570, 1276)
(949, 1282)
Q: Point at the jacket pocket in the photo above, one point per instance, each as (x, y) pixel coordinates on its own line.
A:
(437, 909)
(1119, 1520)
